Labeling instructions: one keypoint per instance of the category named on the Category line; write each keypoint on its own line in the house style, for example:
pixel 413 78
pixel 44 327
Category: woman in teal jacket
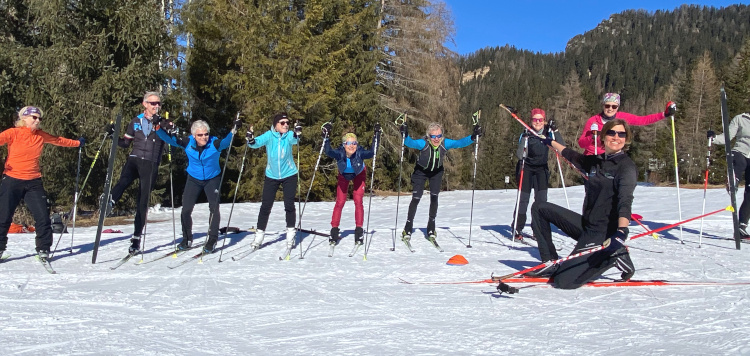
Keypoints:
pixel 281 170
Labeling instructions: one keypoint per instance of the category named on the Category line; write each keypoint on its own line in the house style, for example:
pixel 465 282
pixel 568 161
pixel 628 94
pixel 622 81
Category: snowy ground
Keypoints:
pixel 341 305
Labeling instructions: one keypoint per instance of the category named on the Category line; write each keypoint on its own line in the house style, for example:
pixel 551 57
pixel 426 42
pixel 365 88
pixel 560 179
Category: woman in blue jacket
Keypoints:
pixel 430 167
pixel 204 174
pixel 349 158
pixel 281 170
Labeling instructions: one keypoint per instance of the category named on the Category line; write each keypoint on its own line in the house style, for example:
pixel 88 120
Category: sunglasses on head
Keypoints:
pixel 283 123
pixel 436 136
pixel 608 106
pixel 201 134
pixel 154 103
pixel 350 143
pixel 620 134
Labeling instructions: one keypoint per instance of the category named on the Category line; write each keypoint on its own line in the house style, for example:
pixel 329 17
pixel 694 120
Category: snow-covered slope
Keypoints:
pixel 341 305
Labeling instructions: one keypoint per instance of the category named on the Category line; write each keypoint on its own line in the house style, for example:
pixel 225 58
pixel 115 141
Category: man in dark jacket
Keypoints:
pixel 142 163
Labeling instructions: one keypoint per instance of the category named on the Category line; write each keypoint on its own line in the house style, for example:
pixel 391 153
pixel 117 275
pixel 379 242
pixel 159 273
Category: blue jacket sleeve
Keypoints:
pixel 330 152
pixel 415 144
pixel 164 136
pixel 225 142
pixel 449 144
pixel 261 140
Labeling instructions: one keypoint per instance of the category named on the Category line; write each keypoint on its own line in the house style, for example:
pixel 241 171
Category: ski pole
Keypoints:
pixel 605 245
pixel 475 119
pixel 369 204
pixel 637 218
pixel 402 121
pixel 559 167
pixel 705 186
pixel 171 190
pixel 514 115
pixel 234 199
pixel 514 228
pixel 595 131
pixel 312 180
pixel 218 196
pixel 76 197
pixel 677 176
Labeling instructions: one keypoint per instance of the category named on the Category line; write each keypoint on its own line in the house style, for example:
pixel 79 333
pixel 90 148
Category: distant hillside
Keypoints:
pixel 646 57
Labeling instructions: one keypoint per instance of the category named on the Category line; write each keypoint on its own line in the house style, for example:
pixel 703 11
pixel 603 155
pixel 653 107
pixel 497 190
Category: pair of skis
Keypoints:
pixel 431 239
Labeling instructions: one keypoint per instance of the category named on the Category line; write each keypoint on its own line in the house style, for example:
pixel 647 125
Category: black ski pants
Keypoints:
pixel 193 189
pixel 270 186
pixel 536 178
pixel 418 179
pixel 742 165
pixel 145 171
pixel 32 192
pixel 575 272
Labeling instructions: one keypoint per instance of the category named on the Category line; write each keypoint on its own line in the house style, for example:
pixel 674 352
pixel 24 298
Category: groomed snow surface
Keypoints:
pixel 340 305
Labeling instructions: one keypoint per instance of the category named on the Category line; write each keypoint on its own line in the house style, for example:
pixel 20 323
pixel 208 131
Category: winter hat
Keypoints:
pixel 278 117
pixel 31 111
pixel 538 111
pixel 611 98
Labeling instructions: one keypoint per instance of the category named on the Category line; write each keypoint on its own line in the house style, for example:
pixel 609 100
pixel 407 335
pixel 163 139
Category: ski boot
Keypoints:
pixel 42 255
pixel 544 272
pixel 290 233
pixel 135 245
pixel 210 246
pixel 359 238
pixel 259 235
pixel 186 244
pixel 334 238
pixel 744 231
pixel 405 236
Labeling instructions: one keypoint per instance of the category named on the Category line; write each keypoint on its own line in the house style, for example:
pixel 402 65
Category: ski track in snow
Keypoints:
pixel 341 305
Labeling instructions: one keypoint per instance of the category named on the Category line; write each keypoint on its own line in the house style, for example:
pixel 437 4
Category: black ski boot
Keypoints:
pixel 359 238
pixel 186 244
pixel 210 246
pixel 334 238
pixel 135 245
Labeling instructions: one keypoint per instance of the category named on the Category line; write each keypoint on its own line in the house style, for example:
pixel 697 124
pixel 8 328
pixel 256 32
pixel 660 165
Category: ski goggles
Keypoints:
pixel 620 134
pixel 436 136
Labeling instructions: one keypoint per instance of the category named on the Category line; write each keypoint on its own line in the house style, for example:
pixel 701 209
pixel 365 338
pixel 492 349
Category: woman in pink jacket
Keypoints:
pixel 610 105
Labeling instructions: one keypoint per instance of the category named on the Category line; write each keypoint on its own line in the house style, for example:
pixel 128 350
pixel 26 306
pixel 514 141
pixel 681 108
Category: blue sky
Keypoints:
pixel 540 26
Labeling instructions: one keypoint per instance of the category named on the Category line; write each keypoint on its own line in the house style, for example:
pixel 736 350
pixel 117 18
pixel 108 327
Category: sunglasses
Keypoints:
pixel 350 143
pixel 436 136
pixel 201 135
pixel 282 123
pixel 537 120
pixel 620 134
pixel 154 103
pixel 607 106
pixel 35 117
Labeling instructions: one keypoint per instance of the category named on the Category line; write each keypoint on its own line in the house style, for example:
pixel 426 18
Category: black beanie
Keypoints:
pixel 278 117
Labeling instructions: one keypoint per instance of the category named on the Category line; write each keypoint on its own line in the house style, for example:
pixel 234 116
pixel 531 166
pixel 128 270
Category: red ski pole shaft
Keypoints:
pixel 605 245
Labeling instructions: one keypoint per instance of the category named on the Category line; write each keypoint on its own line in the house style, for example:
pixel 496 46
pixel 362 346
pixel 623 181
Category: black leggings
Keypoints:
pixel 145 171
pixel 193 188
pixel 270 186
pixel 742 165
pixel 32 192
pixel 418 179
pixel 533 177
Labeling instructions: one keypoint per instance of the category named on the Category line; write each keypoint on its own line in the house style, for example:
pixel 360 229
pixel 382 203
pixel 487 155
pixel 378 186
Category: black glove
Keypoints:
pixel 477 132
pixel 82 141
pixel 404 130
pixel 250 137
pixel 109 129
pixel 547 141
pixel 325 130
pixel 297 129
pixel 670 109
pixel 377 128
pixel 167 125
pixel 552 125
pixel 237 124
pixel 710 134
pixel 155 120
pixel 617 239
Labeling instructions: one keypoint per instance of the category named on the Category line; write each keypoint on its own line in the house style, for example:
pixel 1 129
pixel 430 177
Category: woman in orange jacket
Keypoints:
pixel 22 178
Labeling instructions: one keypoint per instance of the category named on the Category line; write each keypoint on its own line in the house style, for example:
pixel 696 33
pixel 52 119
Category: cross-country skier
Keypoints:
pixel 142 163
pixel 204 174
pixel 535 169
pixel 429 167
pixel 281 170
pixel 606 212
pixel 22 178
pixel 739 128
pixel 349 158
pixel 610 107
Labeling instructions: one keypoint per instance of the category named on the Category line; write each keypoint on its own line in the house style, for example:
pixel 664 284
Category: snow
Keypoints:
pixel 340 305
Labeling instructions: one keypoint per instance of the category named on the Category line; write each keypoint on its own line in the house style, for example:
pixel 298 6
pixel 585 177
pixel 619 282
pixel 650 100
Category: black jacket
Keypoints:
pixel 148 147
pixel 609 189
pixel 537 153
